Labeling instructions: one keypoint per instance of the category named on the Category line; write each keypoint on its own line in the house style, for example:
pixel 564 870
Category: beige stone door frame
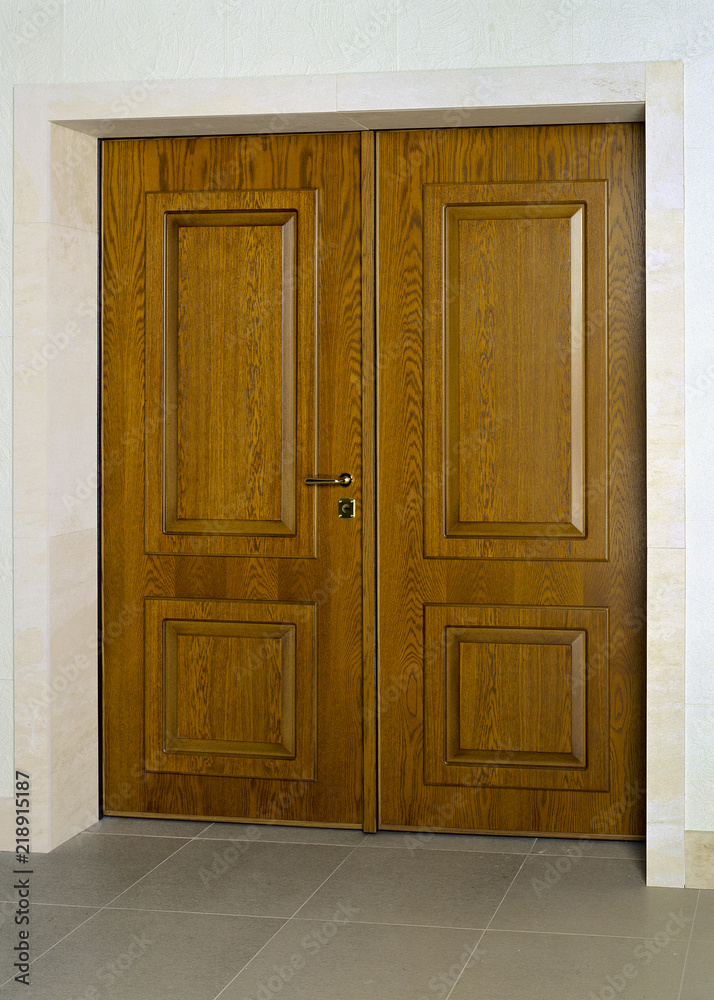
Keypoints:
pixel 55 330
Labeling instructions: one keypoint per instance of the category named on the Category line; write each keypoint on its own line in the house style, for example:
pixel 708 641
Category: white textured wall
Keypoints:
pixel 50 41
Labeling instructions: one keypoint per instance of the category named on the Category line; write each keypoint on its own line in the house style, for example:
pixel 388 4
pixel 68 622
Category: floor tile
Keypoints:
pixel 257 879
pixel 316 960
pixel 450 842
pixel 131 826
pixel 48 924
pixel 136 955
pixel 90 870
pixel 633 850
pixel 704 920
pixel 699 975
pixel 283 834
pixel 592 896
pixel 435 888
pixel 391 915
pixel 515 966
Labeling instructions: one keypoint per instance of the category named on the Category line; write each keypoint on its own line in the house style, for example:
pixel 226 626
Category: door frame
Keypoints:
pixel 55 402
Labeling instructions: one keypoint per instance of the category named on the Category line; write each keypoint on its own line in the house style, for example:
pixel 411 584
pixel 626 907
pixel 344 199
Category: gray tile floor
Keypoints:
pixel 168 910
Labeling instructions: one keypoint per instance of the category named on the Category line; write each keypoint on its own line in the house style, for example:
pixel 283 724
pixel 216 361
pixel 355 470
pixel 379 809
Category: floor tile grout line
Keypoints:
pixel 262 947
pixel 63 938
pixel 202 913
pixel 493 915
pixel 589 857
pixel 377 923
pixel 510 854
pixel 476 850
pixel 262 840
pixel 460 927
pixel 150 836
pixel 240 971
pixel 317 920
pixel 453 850
pixel 510 886
pixel 689 942
pixel 77 905
pixel 327 879
pixel 105 906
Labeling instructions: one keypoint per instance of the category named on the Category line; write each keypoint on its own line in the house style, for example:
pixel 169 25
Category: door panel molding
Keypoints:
pixel 516 697
pixel 219 675
pixel 501 480
pixel 246 371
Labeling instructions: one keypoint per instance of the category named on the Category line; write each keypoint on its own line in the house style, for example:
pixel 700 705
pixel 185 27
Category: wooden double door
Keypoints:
pixel 451 324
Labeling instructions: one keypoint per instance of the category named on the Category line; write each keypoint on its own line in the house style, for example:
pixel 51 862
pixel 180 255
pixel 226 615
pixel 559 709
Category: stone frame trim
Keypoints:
pixel 55 378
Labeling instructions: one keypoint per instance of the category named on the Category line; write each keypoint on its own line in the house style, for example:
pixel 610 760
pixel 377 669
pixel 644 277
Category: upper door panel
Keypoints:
pixel 515 284
pixel 232 282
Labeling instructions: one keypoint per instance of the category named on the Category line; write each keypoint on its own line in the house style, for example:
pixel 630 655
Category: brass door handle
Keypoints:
pixel 344 480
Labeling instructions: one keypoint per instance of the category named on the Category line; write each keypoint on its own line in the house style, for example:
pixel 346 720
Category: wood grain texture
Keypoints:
pixel 211 706
pixel 234 433
pixel 517 401
pixel 369 507
pixel 516 697
pixel 324 566
pixel 230 688
pixel 515 694
pixel 216 569
pixel 501 270
pixel 432 577
pixel 235 373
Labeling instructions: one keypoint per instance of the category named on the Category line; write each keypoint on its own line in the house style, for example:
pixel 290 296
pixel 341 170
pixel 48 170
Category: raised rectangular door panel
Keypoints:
pixel 231 279
pixel 230 688
pixel 516 697
pixel 515 277
pixel 234 665
pixel 512 479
